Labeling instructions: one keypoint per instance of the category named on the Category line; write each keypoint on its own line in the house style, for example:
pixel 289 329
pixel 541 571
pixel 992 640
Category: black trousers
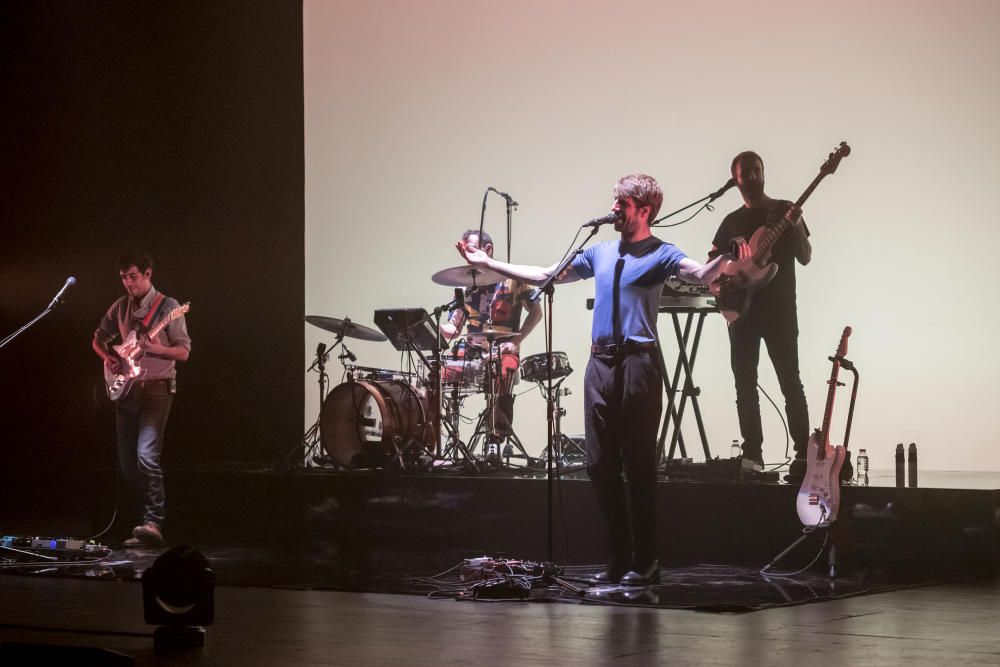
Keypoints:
pixel 781 336
pixel 623 397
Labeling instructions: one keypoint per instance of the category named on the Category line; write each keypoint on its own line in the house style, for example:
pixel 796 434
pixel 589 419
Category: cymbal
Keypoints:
pixel 345 327
pixel 491 334
pixel 466 276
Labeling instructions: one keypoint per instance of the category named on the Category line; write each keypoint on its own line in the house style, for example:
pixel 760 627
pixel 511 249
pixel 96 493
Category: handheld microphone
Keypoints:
pixel 59 297
pixel 721 191
pixel 608 219
pixel 321 350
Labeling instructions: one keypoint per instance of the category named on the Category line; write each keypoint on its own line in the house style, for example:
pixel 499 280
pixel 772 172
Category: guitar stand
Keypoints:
pixel 830 539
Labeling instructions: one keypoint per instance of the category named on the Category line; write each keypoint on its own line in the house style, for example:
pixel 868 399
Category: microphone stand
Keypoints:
pixel 548 288
pixel 27 326
pixel 482 215
pixel 710 198
pixel 312 439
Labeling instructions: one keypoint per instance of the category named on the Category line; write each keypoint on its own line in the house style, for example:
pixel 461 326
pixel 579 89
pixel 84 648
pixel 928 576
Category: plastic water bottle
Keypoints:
pixel 734 451
pixel 862 475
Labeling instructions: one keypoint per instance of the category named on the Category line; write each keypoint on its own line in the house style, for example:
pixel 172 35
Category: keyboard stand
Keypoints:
pixel 686 357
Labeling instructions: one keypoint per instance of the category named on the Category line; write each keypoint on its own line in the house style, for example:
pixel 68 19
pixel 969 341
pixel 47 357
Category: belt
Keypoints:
pixel 153 383
pixel 628 347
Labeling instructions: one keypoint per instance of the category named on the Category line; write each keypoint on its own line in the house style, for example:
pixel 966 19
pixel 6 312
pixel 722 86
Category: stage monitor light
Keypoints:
pixel 178 595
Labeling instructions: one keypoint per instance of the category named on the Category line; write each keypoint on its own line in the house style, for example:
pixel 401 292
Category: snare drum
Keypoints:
pixel 533 367
pixel 364 422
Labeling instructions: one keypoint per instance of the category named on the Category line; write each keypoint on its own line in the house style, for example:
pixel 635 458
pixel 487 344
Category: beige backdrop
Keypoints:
pixel 413 108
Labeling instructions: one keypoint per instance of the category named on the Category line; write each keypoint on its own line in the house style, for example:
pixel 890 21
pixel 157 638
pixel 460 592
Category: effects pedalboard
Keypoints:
pixel 62 548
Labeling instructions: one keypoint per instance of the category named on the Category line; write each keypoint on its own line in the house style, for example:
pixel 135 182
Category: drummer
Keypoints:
pixel 498 306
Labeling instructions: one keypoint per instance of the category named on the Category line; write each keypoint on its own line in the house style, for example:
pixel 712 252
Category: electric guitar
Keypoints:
pixel 819 496
pixel 739 279
pixel 129 351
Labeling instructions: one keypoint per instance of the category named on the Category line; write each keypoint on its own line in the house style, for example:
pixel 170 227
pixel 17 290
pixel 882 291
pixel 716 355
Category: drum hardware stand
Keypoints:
pixel 412 336
pixel 486 426
pixel 311 439
pixel 563 444
pixel 451 417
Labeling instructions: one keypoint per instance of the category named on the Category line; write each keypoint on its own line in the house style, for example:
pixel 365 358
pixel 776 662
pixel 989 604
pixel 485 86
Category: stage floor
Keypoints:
pixel 945 624
pixel 411 533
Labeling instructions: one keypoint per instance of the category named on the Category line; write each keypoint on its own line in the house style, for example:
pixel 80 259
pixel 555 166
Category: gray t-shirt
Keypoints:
pixel 124 316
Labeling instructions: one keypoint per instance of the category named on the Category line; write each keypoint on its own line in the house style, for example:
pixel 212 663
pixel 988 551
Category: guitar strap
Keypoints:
pixel 154 310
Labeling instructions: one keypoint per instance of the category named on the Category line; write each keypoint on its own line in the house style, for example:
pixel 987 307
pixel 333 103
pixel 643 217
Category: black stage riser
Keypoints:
pixel 366 519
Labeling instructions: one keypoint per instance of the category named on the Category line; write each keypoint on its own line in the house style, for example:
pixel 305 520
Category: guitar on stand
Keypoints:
pixel 818 502
pixel 740 279
pixel 129 351
pixel 819 496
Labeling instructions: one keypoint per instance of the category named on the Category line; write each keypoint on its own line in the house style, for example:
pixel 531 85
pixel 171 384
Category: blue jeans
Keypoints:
pixel 141 418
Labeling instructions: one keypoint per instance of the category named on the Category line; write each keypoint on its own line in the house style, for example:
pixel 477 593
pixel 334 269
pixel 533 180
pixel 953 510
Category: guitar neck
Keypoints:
pixel 171 316
pixel 158 328
pixel 774 232
pixel 831 394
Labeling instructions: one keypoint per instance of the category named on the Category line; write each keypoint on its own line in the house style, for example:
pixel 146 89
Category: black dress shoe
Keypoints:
pixel 645 577
pixel 612 574
pixel 607 578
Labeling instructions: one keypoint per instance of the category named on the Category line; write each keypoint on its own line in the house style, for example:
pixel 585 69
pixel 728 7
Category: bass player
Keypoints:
pixel 772 314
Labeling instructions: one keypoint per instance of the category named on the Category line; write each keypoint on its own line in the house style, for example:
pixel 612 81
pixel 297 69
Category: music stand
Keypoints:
pixel 408 329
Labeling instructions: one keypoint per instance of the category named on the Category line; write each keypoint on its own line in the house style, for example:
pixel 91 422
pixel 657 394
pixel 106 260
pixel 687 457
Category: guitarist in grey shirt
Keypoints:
pixel 141 413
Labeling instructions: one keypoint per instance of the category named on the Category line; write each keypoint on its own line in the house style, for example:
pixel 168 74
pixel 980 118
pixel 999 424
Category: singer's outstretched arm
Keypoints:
pixel 693 272
pixel 523 272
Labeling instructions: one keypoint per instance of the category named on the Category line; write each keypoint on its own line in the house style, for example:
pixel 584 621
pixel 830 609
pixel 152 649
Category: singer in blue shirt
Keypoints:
pixel 623 387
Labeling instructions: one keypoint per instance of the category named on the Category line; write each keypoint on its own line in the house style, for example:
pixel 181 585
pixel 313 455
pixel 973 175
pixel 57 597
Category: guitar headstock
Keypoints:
pixel 179 310
pixel 836 156
pixel 842 348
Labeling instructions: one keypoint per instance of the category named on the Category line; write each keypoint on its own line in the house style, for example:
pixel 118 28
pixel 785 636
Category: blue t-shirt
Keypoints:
pixel 638 284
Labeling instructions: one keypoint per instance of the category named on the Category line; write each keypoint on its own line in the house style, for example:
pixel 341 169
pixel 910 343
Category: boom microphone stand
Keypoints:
pixel 59 298
pixel 548 288
pixel 710 198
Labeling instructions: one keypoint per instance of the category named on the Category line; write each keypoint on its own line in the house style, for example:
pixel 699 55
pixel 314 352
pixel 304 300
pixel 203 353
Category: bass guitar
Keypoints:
pixel 129 351
pixel 738 280
pixel 819 496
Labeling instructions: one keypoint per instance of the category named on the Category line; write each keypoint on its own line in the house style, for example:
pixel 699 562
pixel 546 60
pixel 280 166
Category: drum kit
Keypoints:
pixel 381 417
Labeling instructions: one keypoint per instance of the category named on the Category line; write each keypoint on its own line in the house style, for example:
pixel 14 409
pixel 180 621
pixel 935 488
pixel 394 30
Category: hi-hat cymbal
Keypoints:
pixel 466 276
pixel 345 327
pixel 491 334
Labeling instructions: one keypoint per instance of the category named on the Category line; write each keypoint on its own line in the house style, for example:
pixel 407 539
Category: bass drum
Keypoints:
pixel 363 423
pixel 533 367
